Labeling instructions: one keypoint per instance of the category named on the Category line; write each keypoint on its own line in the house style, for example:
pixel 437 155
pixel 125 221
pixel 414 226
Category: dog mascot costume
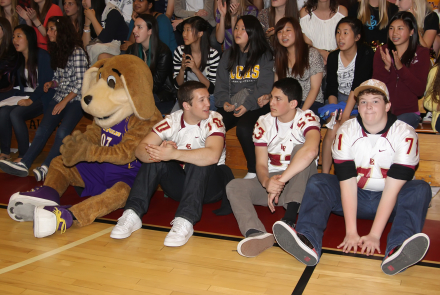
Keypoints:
pixel 118 93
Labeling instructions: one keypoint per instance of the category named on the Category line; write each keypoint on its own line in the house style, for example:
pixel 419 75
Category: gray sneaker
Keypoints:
pixel 255 244
pixel 13 168
pixel 410 252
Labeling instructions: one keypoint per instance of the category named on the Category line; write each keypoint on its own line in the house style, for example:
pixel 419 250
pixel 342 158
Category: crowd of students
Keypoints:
pixel 286 68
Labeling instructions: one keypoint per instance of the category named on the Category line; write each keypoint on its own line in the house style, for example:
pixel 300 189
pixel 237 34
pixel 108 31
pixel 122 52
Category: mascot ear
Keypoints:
pixel 140 91
pixel 90 76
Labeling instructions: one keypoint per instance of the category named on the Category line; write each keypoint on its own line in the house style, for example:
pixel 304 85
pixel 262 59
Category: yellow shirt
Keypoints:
pixel 428 103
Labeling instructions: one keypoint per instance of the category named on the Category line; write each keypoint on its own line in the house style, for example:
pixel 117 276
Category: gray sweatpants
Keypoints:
pixel 243 194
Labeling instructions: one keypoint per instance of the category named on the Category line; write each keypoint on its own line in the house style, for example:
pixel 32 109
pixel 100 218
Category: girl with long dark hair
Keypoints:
pixel 33 71
pixel 246 71
pixel 226 16
pixel 69 61
pixel 294 58
pixel 270 16
pixel 8 58
pixel 403 65
pixel 347 68
pixel 196 59
pixel 318 19
pixel 74 10
pixel 37 16
pixel 156 55
pixel 166 33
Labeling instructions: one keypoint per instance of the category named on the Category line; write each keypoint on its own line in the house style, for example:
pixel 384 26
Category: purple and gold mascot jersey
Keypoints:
pixel 98 177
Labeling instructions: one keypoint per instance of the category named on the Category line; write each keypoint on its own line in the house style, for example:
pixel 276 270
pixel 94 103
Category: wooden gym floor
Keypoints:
pixel 87 261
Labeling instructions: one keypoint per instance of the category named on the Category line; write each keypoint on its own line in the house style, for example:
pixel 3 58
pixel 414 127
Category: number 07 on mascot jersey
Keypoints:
pixel 118 93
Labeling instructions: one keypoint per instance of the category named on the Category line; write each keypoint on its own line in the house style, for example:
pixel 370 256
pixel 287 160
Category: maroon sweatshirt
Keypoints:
pixel 407 84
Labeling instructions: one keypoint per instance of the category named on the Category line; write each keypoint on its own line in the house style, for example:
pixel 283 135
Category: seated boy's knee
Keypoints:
pixel 423 189
pixel 232 187
pixel 319 179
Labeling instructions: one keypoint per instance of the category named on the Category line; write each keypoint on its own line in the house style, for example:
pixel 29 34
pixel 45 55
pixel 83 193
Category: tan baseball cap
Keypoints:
pixel 374 84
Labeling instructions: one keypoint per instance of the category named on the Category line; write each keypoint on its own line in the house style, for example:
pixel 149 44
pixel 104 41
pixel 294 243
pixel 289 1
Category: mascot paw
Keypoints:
pixel 75 149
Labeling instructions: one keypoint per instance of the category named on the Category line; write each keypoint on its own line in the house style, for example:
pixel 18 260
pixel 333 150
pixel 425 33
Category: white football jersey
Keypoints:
pixel 374 154
pixel 280 146
pixel 191 137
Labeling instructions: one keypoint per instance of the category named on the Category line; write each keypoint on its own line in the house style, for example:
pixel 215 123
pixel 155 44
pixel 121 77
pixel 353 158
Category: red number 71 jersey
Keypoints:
pixel 373 154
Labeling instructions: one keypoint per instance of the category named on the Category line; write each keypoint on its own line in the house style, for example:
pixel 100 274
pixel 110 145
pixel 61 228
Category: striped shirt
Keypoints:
pixel 210 71
pixel 70 78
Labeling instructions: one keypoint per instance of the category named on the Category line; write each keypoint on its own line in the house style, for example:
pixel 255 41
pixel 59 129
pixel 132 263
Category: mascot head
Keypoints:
pixel 116 88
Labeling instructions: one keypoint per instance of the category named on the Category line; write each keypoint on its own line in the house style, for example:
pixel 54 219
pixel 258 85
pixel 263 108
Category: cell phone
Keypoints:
pixel 188 57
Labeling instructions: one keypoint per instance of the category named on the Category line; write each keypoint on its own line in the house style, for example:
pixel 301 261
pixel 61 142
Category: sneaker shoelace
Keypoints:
pixel 178 226
pixel 35 189
pixel 124 220
pixel 60 220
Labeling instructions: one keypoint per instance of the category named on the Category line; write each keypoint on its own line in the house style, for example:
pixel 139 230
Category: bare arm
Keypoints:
pixel 259 4
pixel 349 206
pixel 220 27
pixel 261 155
pixel 349 107
pixel 332 99
pixel 206 156
pixel 371 242
pixel 170 9
pixel 315 85
pixel 141 150
pixel 304 156
pixel 428 38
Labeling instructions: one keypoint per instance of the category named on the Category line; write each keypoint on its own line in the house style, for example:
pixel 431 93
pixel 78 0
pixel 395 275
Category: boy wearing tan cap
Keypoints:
pixel 375 157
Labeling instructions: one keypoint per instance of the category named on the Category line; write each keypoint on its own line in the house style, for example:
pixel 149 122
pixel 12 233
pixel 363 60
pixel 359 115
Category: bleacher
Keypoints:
pixel 428 169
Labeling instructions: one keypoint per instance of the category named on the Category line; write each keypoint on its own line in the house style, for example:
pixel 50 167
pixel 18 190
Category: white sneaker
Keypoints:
pixel 428 117
pixel 128 223
pixel 40 173
pixel 180 233
pixel 250 175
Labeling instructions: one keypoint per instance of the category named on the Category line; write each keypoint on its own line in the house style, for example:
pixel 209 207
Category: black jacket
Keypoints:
pixel 162 74
pixel 362 72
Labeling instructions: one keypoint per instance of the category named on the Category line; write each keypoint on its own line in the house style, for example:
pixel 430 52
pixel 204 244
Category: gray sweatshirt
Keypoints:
pixel 259 80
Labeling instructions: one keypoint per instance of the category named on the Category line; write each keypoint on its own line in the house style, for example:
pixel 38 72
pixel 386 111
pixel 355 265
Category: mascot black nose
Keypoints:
pixel 87 99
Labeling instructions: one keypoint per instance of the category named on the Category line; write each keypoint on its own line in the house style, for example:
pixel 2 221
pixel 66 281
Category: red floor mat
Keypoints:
pixel 162 210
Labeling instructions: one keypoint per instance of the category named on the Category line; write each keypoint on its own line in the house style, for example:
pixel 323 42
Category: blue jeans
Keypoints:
pixel 411 119
pixel 15 117
pixel 70 116
pixel 323 196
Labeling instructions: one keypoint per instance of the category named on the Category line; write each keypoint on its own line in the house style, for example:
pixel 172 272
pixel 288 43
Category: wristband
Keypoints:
pixel 39 26
pixel 86 31
pixel 54 84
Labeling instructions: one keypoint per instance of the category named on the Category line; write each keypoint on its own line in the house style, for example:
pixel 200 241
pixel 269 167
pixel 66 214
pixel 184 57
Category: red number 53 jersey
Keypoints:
pixel 373 154
pixel 280 141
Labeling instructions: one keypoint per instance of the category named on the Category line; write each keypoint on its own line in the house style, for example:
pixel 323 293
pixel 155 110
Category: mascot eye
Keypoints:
pixel 111 81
